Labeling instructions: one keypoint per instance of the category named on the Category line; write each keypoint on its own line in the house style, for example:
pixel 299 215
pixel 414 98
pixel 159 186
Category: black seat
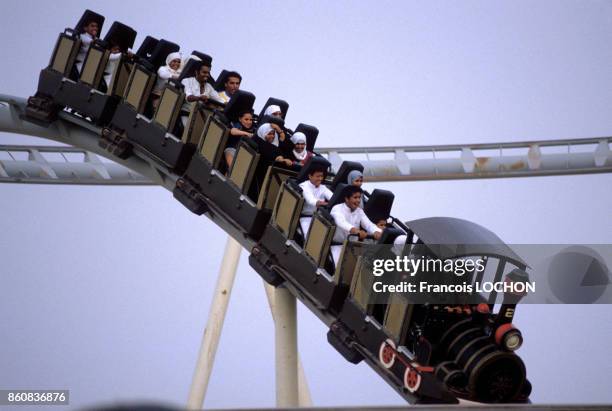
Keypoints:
pixel 379 204
pixel 221 78
pixel 313 162
pixel 275 102
pixel 338 196
pixel 88 16
pixel 161 51
pixel 146 48
pixel 389 235
pixel 120 35
pixel 311 133
pixel 345 168
pixel 240 102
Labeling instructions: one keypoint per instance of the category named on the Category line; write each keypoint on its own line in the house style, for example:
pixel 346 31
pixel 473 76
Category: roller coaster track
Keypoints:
pixel 81 165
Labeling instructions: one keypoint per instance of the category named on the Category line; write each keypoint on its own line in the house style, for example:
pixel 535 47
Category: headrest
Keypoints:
pixel 120 35
pixel 146 48
pixel 284 106
pixel 311 133
pixel 337 197
pixel 220 83
pixel 241 101
pixel 378 206
pixel 87 17
pixel 313 163
pixel 271 119
pixel 189 68
pixel 161 51
pixel 345 168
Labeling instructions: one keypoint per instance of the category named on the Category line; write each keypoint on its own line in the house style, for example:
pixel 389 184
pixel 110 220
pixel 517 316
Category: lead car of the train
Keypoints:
pixel 429 352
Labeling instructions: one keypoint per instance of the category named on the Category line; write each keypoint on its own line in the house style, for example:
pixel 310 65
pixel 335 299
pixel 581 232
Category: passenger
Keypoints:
pixel 355 178
pixel 111 66
pixel 172 70
pixel 315 195
pixel 299 154
pixel 232 85
pixel 89 32
pixel 243 128
pixel 350 219
pixel 267 140
pixel 382 224
pixel 197 88
pixel 273 111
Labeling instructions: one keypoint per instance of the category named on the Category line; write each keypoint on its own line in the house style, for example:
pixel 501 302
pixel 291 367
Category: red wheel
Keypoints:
pixel 412 379
pixel 386 354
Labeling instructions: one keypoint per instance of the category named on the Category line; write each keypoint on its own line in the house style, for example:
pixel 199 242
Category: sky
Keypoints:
pixel 105 290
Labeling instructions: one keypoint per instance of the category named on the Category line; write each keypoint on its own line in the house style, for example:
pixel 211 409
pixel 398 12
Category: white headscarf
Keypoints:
pixel 174 56
pixel 299 137
pixel 271 110
pixel 264 129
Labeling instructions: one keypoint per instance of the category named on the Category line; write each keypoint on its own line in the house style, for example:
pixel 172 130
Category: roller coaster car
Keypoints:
pixel 436 352
pixel 89 96
pixel 204 184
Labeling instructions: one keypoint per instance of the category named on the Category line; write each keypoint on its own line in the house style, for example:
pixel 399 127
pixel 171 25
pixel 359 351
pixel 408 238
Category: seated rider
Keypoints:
pixel 350 219
pixel 315 195
pixel 243 128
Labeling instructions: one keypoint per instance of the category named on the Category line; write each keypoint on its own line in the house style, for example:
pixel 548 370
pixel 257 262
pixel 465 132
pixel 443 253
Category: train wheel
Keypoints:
pixel 412 379
pixel 386 354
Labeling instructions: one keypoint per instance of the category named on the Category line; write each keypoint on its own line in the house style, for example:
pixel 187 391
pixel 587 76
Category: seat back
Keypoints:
pixel 379 204
pixel 320 235
pixel 120 35
pixel 88 16
pixel 94 64
pixel 213 140
pixel 170 104
pixel 337 197
pixel 272 183
pixel 240 102
pixel 160 52
pixel 313 163
pixel 196 124
pixel 275 102
pixel 244 165
pixel 139 87
pixel 287 210
pixel 65 52
pixel 345 168
pixel 120 78
pixel 311 133
pixel 397 317
pixel 146 48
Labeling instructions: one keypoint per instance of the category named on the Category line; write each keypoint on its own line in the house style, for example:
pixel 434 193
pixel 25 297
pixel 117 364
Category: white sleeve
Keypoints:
pixel 309 196
pixel 212 94
pixel 327 193
pixel 188 89
pixel 340 219
pixel 114 56
pixel 164 73
pixel 365 222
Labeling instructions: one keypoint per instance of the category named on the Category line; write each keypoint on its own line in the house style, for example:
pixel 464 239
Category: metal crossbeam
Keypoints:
pixel 402 163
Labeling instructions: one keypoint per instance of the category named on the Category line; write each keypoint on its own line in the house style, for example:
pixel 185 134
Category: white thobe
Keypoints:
pixel 312 194
pixel 345 220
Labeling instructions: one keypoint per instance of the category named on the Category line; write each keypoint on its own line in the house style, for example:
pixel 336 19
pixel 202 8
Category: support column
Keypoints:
pixel 305 399
pixel 216 317
pixel 286 349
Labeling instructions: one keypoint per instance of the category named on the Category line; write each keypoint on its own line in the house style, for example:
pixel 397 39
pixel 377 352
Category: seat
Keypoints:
pixel 221 78
pixel 345 168
pixel 244 165
pixel 240 102
pixel 338 196
pixel 379 204
pixel 275 102
pixel 146 48
pixel 120 35
pixel 311 133
pixel 161 51
pixel 312 163
pixel 87 16
pixel 319 237
pixel 189 68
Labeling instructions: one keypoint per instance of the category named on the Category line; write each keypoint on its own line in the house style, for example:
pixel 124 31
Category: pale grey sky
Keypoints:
pixel 105 291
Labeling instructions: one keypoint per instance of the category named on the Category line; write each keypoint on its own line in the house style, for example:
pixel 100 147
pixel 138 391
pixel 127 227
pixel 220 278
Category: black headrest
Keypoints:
pixel 240 102
pixel 311 133
pixel 202 56
pixel 389 235
pixel 120 35
pixel 313 163
pixel 188 69
pixel 161 51
pixel 345 168
pixel 220 83
pixel 146 48
pixel 87 17
pixel 275 102
pixel 271 119
pixel 379 205
pixel 338 196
